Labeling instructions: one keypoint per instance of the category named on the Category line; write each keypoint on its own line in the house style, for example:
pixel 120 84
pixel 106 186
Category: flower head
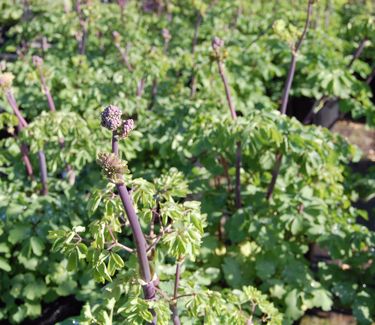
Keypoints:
pixel 116 37
pixel 166 34
pixel 113 167
pixel 217 43
pixel 111 118
pixel 38 61
pixel 6 80
pixel 124 130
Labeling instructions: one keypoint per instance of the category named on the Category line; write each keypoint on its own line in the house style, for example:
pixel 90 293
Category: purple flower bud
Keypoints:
pixel 217 43
pixel 166 34
pixel 111 118
pixel 116 37
pixel 125 129
pixel 37 60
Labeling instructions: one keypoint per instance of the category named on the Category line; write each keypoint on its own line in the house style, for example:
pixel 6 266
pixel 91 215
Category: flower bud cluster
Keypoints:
pixel 111 119
pixel 6 80
pixel 166 34
pixel 113 167
pixel 124 130
pixel 220 52
pixel 38 61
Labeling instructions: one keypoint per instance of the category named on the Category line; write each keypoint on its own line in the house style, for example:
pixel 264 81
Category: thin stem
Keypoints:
pixel 140 87
pixel 227 90
pixel 238 145
pixel 51 103
pixel 238 175
pixel 43 172
pixel 173 306
pixel 21 124
pixel 125 57
pixel 292 66
pixel 275 174
pixel 26 160
pixel 370 77
pixel 16 111
pixel 358 51
pixel 285 95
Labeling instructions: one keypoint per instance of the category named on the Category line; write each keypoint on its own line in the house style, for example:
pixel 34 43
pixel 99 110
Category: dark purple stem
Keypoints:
pixel 125 57
pixel 198 22
pixel 370 77
pixel 234 117
pixel 275 174
pixel 285 96
pixel 51 103
pixel 227 90
pixel 358 51
pixel 140 87
pixel 292 67
pixel 43 172
pixel 139 239
pixel 175 317
pixel 24 152
pixel 26 160
pixel 16 111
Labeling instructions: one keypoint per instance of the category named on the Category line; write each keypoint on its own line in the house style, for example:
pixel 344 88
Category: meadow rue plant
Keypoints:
pixel 158 216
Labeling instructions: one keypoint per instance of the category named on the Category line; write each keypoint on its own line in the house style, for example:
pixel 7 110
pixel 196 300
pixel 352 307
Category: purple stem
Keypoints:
pixel 292 67
pixel 51 103
pixel 370 77
pixel 16 111
pixel 198 22
pixel 139 239
pixel 358 51
pixel 234 117
pixel 275 173
pixel 43 172
pixel 140 87
pixel 125 57
pixel 26 160
pixel 285 96
pixel 42 159
pixel 175 317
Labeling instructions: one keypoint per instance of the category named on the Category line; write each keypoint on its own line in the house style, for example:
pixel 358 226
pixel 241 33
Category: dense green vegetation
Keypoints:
pixel 178 114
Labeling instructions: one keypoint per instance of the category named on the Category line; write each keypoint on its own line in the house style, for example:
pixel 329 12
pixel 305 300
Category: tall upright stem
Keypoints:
pixel 139 239
pixel 238 144
pixel 285 96
pixel 24 152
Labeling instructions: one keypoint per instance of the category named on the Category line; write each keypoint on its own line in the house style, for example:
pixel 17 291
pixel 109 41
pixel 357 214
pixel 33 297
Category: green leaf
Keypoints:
pixel 4 265
pixel 37 245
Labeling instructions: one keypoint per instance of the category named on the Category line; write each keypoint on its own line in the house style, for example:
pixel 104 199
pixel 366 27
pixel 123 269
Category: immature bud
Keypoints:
pixel 217 43
pixel 111 118
pixel 116 37
pixel 125 129
pixel 38 61
pixel 6 80
pixel 166 34
pixel 113 167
